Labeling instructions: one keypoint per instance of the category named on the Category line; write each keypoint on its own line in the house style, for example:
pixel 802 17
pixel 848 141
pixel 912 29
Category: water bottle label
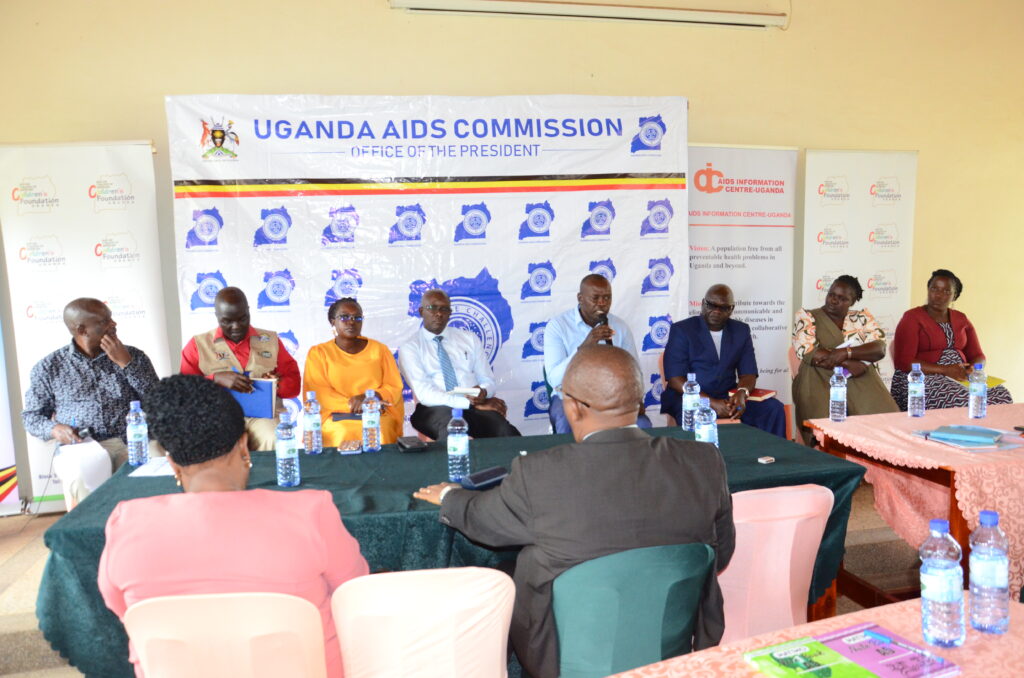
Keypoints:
pixel 137 435
pixel 286 449
pixel 691 401
pixel 837 393
pixel 990 572
pixel 979 388
pixel 705 434
pixel 916 390
pixel 945 586
pixel 458 445
pixel 371 419
pixel 311 422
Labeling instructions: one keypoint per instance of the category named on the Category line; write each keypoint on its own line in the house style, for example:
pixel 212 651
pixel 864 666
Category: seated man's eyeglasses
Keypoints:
pixel 724 308
pixel 438 309
pixel 566 394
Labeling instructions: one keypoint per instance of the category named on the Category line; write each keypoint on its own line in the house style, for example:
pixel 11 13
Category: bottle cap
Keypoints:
pixel 705 402
pixel 838 369
pixel 456 413
pixel 915 367
pixel 989 518
pixel 285 417
pixel 135 405
pixel 938 525
pixel 370 393
pixel 310 395
pixel 979 366
pixel 690 376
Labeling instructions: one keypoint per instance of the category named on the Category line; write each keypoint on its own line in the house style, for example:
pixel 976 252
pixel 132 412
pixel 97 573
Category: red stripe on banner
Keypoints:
pixel 510 189
pixel 748 225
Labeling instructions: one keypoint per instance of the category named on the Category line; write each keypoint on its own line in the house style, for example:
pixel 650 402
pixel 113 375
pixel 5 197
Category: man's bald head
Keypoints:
pixel 79 310
pixel 230 295
pixel 606 378
pixel 717 306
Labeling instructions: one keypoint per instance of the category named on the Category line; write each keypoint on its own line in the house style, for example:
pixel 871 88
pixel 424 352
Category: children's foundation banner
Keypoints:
pixel 859 220
pixel 79 220
pixel 503 202
pixel 741 234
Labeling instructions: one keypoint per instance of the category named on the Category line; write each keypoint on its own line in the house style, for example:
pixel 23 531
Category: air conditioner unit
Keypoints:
pixel 622 11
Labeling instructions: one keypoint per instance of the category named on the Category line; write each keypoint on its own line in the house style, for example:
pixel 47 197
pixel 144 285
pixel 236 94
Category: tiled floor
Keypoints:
pixel 871 546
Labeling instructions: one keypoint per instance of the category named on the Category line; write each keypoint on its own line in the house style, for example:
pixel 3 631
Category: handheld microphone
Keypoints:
pixel 602 319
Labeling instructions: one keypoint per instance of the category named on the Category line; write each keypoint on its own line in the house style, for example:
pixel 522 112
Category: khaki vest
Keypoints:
pixel 216 356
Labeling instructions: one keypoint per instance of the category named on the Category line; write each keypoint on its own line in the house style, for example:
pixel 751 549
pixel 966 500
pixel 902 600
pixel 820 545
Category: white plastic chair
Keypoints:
pixel 778 532
pixel 446 623
pixel 81 468
pixel 242 635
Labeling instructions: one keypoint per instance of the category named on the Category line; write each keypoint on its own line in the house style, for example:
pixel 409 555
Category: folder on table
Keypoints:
pixel 261 402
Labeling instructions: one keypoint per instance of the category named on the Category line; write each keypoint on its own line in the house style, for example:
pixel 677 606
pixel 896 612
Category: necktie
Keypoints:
pixel 447 370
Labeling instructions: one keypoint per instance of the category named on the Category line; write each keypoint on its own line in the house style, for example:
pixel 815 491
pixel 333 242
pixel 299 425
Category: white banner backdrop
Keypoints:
pixel 505 202
pixel 9 501
pixel 79 220
pixel 741 234
pixel 859 220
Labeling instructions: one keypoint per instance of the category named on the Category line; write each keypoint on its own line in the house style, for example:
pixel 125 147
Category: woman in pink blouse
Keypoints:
pixel 216 536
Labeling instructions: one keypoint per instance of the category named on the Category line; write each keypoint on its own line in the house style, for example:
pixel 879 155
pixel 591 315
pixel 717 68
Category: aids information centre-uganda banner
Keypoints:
pixel 741 234
pixel 79 220
pixel 503 202
pixel 859 220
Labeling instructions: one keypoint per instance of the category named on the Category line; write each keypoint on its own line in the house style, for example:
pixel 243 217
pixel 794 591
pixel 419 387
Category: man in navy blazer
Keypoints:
pixel 720 352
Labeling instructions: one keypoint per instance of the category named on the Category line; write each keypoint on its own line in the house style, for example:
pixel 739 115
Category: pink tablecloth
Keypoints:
pixel 984 480
pixel 982 655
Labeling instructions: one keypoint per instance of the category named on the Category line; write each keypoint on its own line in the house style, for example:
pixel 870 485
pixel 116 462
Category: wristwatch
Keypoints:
pixel 849 353
pixel 745 390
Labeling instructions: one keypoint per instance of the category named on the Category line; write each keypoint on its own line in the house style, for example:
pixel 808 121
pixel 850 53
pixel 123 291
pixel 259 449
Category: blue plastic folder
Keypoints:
pixel 259 403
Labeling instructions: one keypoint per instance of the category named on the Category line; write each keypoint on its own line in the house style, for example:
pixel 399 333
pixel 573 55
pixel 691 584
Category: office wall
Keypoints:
pixel 941 77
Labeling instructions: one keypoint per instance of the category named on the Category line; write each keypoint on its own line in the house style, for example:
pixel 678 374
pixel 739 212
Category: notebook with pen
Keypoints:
pixel 261 402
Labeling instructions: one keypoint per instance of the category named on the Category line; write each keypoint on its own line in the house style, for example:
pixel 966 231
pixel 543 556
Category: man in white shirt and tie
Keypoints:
pixel 441 358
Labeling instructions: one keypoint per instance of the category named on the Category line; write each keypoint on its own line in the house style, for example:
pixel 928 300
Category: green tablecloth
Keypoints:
pixel 373 492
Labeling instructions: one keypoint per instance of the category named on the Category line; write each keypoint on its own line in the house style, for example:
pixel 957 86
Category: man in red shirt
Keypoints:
pixel 235 353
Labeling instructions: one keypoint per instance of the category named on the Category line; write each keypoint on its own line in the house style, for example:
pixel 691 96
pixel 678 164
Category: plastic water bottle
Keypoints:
pixel 287 453
pixel 137 434
pixel 990 576
pixel 942 588
pixel 691 401
pixel 837 396
pixel 706 423
pixel 977 402
pixel 371 422
pixel 458 447
pixel 915 391
pixel 312 436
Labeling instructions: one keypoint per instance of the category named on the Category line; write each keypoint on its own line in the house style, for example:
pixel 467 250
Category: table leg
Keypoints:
pixel 958 530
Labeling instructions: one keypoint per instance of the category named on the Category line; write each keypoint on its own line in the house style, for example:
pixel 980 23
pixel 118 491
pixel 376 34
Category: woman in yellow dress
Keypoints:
pixel 342 370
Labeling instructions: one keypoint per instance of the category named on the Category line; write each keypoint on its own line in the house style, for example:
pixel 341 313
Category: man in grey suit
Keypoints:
pixel 615 488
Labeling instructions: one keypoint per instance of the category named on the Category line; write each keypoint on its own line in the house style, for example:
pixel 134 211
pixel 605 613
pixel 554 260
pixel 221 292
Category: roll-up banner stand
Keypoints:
pixel 78 220
pixel 859 220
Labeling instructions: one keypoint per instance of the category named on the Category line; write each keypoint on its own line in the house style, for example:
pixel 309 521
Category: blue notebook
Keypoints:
pixel 261 402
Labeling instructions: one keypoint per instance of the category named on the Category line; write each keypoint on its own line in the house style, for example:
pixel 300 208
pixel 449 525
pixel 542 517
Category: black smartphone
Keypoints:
pixel 482 480
pixel 411 444
pixel 1019 428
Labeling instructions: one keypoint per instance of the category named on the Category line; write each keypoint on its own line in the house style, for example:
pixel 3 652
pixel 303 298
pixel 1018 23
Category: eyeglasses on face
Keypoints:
pixel 724 308
pixel 433 308
pixel 345 317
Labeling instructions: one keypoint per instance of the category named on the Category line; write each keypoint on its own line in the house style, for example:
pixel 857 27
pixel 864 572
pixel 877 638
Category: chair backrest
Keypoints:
pixel 629 609
pixel 447 623
pixel 242 635
pixel 778 532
